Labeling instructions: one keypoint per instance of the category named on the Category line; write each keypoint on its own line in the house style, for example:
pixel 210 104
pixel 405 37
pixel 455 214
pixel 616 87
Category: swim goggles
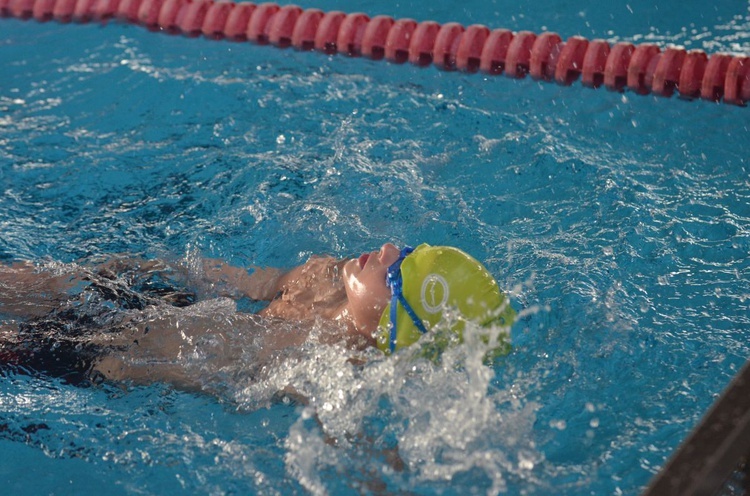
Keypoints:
pixel 395 282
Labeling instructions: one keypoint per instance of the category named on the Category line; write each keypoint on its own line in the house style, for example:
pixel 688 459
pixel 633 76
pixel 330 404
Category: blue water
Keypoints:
pixel 620 223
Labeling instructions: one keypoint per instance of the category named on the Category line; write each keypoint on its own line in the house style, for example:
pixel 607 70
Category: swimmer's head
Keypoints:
pixel 430 280
pixel 433 279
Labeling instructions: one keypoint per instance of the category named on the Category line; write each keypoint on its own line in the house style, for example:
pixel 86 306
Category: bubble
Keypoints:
pixel 560 424
pixel 525 462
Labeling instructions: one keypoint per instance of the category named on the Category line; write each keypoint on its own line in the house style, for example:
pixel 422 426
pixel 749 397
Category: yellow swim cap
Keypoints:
pixel 430 279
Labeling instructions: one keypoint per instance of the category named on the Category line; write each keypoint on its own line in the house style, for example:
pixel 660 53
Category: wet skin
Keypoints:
pixel 366 289
pixel 351 293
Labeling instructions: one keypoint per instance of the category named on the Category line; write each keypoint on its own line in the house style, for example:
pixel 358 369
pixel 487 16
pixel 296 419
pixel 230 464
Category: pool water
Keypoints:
pixel 619 223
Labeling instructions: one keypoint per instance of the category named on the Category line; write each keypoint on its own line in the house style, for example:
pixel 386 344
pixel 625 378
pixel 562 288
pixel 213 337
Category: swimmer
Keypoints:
pixel 129 320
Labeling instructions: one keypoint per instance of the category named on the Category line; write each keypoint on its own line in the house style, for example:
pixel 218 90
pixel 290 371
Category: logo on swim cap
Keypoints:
pixel 435 293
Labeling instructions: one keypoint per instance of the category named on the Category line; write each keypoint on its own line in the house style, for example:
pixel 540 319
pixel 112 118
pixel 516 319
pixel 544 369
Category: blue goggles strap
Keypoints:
pixel 395 282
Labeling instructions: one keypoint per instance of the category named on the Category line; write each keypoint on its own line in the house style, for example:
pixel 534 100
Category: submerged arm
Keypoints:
pixel 260 284
pixel 199 347
pixel 28 291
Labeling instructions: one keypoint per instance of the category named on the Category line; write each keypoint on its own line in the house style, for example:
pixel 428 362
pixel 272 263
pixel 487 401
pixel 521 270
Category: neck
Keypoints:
pixel 344 317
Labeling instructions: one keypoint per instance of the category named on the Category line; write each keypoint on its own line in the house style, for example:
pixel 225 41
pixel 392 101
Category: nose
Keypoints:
pixel 388 254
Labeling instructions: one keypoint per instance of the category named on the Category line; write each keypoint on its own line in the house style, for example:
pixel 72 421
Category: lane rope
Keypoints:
pixel 643 68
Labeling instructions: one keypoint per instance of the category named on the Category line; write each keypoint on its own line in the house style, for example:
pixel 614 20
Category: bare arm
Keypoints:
pixel 222 279
pixel 29 291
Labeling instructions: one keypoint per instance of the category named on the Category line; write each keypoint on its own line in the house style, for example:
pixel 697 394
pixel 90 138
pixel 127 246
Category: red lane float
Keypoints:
pixel 167 19
pixel 544 55
pixel 422 43
pixel 328 31
pixel 216 20
pixel 303 36
pixel 667 73
pixel 594 63
pixel 518 58
pixel 376 37
pixel 570 62
pixel 190 17
pixel 238 18
pixel 642 69
pixel 399 39
pixel 281 26
pixel 351 33
pixel 469 53
pixel 712 87
pixel 737 85
pixel 446 46
pixel 257 27
pixel 495 51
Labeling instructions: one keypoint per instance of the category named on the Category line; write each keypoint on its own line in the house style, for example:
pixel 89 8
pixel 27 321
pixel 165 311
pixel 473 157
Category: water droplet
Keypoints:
pixel 525 463
pixel 643 305
pixel 560 425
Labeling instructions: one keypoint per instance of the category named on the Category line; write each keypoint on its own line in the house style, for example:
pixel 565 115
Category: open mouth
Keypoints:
pixel 363 260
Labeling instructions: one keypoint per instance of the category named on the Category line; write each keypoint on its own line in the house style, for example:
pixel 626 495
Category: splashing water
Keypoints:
pixel 403 419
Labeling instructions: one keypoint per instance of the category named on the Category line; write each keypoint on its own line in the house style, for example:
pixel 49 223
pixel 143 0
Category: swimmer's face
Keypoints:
pixel 366 289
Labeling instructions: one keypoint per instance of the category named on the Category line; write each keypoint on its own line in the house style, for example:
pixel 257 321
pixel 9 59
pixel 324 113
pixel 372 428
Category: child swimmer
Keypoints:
pixel 120 322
